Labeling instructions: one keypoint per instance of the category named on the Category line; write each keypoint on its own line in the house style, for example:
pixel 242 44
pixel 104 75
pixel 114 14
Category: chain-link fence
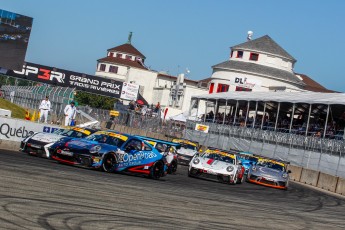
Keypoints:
pixel 30 97
pixel 325 155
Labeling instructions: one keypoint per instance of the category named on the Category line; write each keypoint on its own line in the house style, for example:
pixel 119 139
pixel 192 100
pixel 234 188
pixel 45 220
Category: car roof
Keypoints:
pixel 185 141
pixel 158 140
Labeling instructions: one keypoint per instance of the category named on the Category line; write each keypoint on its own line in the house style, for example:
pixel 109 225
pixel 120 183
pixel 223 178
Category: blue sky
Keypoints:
pixel 179 34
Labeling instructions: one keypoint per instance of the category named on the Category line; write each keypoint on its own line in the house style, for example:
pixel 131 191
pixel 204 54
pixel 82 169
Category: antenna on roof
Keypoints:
pixel 250 34
pixel 129 38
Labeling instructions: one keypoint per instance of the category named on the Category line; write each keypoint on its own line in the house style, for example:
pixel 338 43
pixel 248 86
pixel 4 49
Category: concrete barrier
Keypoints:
pixel 296 172
pixel 340 189
pixel 327 182
pixel 309 176
pixel 9 145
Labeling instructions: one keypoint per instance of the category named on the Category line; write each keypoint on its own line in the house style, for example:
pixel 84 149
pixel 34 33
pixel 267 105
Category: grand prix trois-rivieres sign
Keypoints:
pixel 65 78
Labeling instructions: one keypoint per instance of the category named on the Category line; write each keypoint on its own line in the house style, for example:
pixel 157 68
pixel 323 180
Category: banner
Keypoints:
pixel 202 128
pixel 17 129
pixel 129 91
pixel 65 78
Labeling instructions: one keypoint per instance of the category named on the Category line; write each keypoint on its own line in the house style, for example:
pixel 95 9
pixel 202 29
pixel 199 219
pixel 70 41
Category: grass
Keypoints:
pixel 17 111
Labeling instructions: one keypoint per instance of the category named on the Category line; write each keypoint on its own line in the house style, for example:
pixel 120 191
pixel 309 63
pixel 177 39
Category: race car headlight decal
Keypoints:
pixel 285 175
pixel 196 161
pixel 230 169
pixel 95 149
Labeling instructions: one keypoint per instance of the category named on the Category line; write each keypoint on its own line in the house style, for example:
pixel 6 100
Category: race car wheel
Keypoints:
pixel 157 170
pixel 173 167
pixel 193 172
pixel 109 162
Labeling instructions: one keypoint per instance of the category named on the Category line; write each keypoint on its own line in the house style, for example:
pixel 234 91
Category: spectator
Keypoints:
pixel 157 108
pixel 44 109
pixel 70 113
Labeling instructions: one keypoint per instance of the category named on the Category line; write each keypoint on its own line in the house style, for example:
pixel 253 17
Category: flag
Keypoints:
pixel 27 115
pixel 33 116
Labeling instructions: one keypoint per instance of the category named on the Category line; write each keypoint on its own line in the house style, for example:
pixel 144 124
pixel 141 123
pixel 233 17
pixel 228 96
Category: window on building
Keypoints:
pixel 222 88
pixel 254 57
pixel 102 67
pixel 119 55
pixel 239 54
pixel 239 88
pixel 113 69
pixel 129 57
pixel 232 52
pixel 211 88
pixel 111 54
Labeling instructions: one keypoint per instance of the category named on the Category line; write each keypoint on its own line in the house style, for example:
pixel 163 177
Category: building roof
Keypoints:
pixel 292 97
pixel 265 44
pixel 129 49
pixel 121 61
pixel 162 75
pixel 254 68
pixel 312 85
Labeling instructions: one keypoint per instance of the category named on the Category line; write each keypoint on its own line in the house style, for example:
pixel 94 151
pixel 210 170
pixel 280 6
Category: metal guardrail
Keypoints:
pixel 317 144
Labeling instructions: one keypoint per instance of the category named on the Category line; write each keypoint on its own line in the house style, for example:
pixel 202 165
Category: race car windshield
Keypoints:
pixel 219 157
pixel 71 133
pixel 188 147
pixel 250 158
pixel 101 138
pixel 271 165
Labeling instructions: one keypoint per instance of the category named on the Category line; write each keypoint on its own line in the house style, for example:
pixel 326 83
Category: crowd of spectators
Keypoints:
pixel 334 129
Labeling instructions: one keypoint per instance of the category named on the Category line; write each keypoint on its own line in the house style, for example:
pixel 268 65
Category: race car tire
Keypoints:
pixel 157 170
pixel 192 173
pixel 172 167
pixel 109 162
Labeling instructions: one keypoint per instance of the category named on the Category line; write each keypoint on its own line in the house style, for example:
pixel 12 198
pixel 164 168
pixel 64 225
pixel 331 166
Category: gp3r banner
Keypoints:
pixel 66 78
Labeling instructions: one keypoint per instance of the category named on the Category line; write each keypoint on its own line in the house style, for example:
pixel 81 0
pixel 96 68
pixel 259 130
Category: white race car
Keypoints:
pixel 187 150
pixel 219 164
pixel 39 143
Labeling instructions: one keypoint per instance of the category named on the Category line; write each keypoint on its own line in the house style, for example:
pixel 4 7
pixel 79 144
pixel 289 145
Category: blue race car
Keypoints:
pixel 247 159
pixel 112 152
pixel 168 149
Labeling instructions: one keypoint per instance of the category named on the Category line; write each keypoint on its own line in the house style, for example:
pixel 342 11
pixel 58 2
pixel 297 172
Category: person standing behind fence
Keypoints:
pixel 70 113
pixel 44 109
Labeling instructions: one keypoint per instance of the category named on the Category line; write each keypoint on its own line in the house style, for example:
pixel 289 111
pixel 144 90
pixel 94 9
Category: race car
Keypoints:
pixel 39 143
pixel 248 159
pixel 216 163
pixel 168 149
pixel 269 172
pixel 187 150
pixel 112 152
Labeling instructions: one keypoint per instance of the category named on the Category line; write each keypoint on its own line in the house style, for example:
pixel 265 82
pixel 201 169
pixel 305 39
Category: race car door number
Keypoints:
pixel 67 153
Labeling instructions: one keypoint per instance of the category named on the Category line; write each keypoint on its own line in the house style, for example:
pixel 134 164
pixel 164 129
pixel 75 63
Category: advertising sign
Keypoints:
pixel 246 82
pixel 66 78
pixel 15 32
pixel 129 91
pixel 202 128
pixel 17 130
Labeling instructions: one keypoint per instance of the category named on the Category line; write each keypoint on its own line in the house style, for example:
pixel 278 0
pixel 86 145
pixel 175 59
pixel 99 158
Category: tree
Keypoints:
pixel 95 101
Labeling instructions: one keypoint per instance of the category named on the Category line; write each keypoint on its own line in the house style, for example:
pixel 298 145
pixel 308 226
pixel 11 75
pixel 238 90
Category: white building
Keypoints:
pixel 125 63
pixel 259 65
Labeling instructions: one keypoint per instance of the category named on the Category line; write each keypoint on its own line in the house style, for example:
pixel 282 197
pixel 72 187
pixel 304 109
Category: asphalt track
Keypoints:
pixel 36 193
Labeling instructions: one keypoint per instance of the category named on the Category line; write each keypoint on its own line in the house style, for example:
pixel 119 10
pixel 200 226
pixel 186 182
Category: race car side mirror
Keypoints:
pixel 289 171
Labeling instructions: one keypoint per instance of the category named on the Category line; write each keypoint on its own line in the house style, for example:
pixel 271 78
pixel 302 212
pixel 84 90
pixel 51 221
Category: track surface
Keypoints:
pixel 37 193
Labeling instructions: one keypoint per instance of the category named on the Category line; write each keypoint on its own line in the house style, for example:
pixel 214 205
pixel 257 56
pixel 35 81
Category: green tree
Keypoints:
pixel 95 101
